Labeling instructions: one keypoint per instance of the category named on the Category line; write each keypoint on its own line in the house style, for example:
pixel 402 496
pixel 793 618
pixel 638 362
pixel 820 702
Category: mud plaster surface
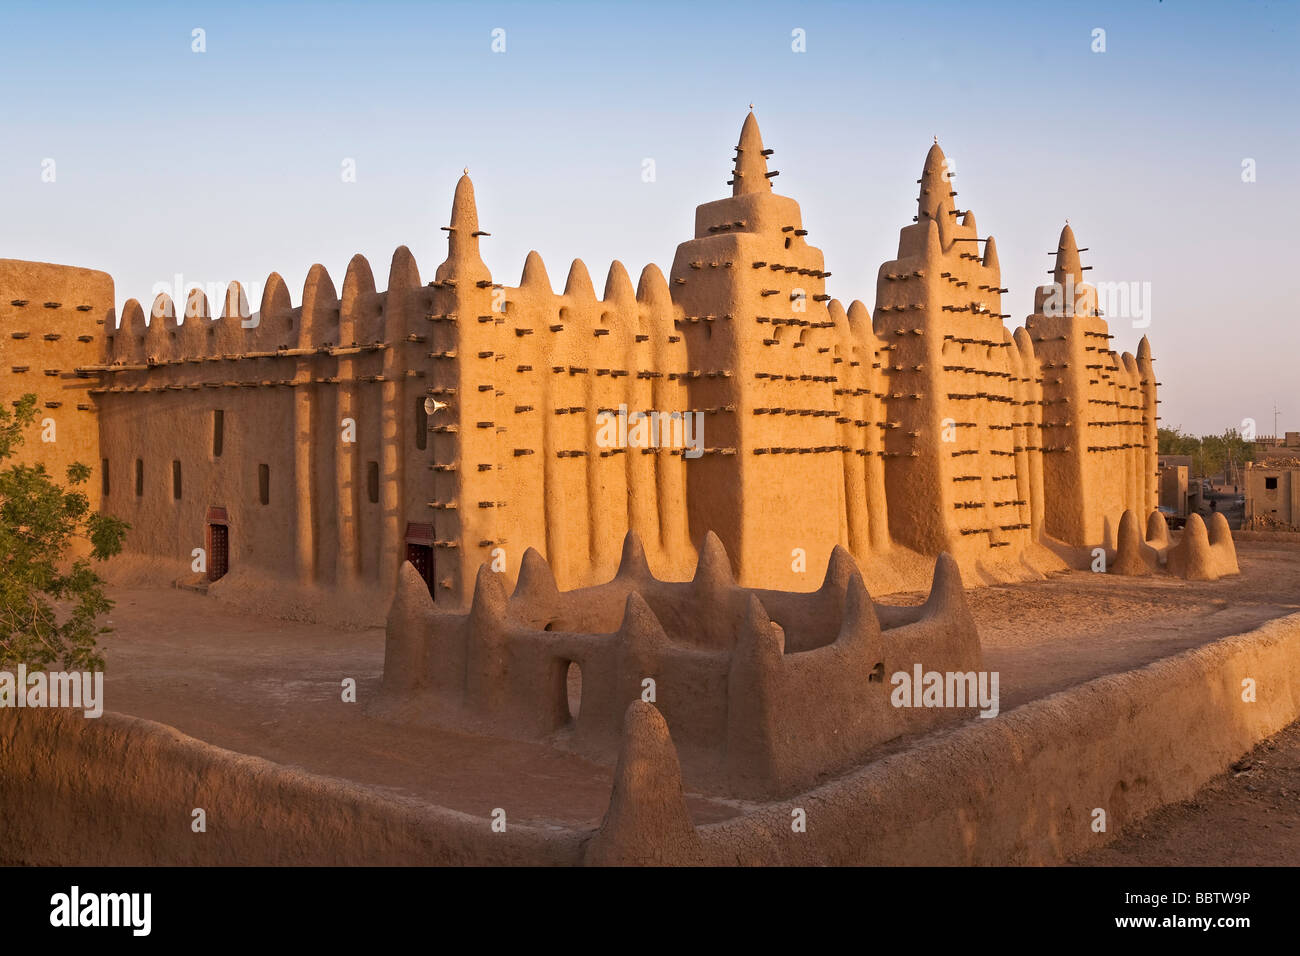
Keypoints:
pixel 272 688
pixel 1249 816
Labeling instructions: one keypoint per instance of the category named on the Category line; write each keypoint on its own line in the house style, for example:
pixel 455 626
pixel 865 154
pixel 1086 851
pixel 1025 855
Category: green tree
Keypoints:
pixel 49 600
pixel 1210 454
pixel 1174 441
pixel 1214 452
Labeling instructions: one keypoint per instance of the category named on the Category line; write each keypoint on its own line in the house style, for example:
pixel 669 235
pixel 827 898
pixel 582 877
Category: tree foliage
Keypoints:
pixel 50 600
pixel 1210 454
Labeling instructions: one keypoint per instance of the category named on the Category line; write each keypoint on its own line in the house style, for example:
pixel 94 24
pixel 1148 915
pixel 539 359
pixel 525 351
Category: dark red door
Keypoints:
pixel 421 555
pixel 219 552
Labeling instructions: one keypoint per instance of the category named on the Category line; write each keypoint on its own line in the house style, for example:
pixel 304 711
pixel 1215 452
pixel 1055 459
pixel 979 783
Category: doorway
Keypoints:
pixel 565 690
pixel 218 551
pixel 421 556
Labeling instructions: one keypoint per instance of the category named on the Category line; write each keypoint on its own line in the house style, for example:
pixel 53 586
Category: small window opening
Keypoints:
pixel 218 432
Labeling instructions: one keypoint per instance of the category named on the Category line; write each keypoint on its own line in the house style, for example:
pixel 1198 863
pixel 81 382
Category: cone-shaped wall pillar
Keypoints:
pixel 647 823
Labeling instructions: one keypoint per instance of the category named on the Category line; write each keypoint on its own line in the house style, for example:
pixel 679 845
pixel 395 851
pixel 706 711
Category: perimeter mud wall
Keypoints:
pixel 120 791
pixel 1021 788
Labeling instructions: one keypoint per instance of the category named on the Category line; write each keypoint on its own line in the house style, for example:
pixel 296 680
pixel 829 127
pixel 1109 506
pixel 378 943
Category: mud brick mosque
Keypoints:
pixel 455 422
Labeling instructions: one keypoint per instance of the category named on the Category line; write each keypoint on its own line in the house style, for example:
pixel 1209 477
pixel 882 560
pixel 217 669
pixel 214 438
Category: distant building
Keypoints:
pixel 1273 493
pixel 1270 446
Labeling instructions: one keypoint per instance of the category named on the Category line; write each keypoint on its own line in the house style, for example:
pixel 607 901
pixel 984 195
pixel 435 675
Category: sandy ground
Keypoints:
pixel 273 688
pixel 1249 816
pixel 1045 636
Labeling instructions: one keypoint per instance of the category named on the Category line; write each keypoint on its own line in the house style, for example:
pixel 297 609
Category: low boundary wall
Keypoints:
pixel 1267 537
pixel 1020 788
pixel 119 790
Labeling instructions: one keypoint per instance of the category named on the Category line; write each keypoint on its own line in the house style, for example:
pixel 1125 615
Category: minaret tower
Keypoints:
pixel 1098 410
pixel 952 465
pixel 468 506
pixel 1063 319
pixel 759 341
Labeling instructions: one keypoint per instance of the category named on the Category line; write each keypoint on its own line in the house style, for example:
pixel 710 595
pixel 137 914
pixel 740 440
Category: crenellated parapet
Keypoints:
pixel 764 690
pixel 1201 554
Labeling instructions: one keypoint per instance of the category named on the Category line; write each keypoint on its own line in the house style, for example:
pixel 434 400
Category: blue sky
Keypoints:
pixel 227 163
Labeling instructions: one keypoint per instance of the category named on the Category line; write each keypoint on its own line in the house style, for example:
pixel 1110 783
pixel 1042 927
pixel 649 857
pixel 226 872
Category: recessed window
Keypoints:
pixel 573 689
pixel 103 475
pixel 264 484
pixel 421 425
pixel 372 481
pixel 176 480
pixel 139 477
pixel 1270 483
pixel 218 432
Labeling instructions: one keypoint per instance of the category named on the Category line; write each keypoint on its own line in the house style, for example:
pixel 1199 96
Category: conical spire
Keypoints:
pixel 618 284
pixel 464 216
pixel 578 284
pixel 935 198
pixel 750 175
pixel 633 564
pixel 839 569
pixel 534 275
pixel 648 822
pixel 859 315
pixel 652 289
pixel 462 236
pixel 991 255
pixel 536 584
pixel 713 573
pixel 1067 257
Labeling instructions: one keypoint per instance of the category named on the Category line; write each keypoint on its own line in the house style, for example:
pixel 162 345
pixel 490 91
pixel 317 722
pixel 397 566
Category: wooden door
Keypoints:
pixel 421 555
pixel 219 552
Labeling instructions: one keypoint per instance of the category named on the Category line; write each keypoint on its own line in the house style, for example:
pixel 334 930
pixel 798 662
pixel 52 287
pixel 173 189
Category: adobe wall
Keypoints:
pixel 765 690
pixel 120 791
pixel 1099 411
pixel 1271 537
pixel 536 471
pixel 284 379
pixel 1018 789
pixel 961 465
pixel 766 363
pixel 52 319
pixel 510 460
pixel 1173 484
pixel 1281 503
pixel 928 427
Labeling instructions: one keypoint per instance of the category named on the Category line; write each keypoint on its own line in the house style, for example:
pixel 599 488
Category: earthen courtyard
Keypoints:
pixel 272 688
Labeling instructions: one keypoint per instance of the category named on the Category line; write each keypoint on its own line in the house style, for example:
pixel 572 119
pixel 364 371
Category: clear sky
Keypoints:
pixel 228 164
